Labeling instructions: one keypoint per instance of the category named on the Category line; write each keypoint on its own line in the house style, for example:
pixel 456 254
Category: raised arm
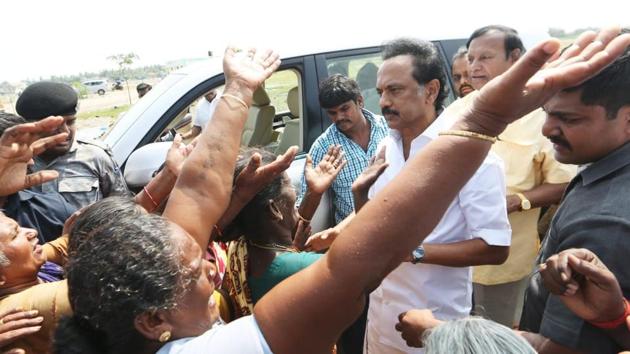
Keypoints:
pixel 202 191
pixel 325 298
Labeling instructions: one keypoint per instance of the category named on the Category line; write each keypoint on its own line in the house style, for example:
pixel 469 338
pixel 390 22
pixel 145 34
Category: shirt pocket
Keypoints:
pixel 86 185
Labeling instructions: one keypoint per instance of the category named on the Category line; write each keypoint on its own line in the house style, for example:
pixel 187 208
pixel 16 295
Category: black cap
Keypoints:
pixel 47 98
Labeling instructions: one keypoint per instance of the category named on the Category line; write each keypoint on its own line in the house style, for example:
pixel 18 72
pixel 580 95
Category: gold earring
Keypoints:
pixel 165 336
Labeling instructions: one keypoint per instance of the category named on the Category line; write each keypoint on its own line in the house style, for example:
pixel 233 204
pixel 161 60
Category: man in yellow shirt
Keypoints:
pixel 534 178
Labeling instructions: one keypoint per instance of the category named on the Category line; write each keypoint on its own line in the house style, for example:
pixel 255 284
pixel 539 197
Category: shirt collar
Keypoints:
pixel 440 124
pixel 608 164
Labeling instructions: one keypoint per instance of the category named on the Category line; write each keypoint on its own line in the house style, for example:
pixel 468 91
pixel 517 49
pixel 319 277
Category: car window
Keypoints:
pixel 275 116
pixel 361 68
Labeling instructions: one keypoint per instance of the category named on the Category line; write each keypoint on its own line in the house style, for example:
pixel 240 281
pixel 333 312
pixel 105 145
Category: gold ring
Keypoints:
pixel 1 321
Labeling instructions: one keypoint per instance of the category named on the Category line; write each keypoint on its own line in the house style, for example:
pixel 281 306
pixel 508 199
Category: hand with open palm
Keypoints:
pixel 18 145
pixel 320 178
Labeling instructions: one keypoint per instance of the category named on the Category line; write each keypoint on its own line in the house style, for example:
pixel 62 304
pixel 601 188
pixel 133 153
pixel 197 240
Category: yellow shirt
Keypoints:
pixel 529 162
pixel 51 300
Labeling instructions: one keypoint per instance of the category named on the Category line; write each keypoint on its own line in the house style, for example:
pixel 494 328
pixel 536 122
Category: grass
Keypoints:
pixel 107 112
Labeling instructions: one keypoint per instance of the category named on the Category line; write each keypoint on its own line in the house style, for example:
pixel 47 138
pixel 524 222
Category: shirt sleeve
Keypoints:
pixel 111 178
pixel 317 153
pixel 197 120
pixel 552 170
pixel 484 205
pixel 608 236
pixel 56 251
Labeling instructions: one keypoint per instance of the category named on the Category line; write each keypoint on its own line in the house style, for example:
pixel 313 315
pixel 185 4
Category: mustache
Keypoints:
pixel 560 141
pixel 388 110
pixel 464 86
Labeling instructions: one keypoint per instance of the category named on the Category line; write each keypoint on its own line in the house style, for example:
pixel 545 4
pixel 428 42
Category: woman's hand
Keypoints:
pixel 253 178
pixel 15 324
pixel 18 145
pixel 320 178
pixel 525 86
pixel 248 69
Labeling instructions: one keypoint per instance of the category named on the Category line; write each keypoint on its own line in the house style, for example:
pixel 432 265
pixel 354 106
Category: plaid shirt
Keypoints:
pixel 357 158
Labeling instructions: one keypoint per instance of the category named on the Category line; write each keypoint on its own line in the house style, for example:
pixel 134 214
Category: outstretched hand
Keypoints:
pixel 18 145
pixel 254 177
pixel 177 154
pixel 249 68
pixel 320 178
pixel 527 85
pixel 584 284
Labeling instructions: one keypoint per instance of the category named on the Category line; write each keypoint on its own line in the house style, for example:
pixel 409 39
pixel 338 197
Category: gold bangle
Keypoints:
pixel 227 95
pixel 468 134
pixel 303 218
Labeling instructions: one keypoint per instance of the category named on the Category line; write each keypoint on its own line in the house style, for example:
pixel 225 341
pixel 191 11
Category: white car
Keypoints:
pixel 96 86
pixel 285 111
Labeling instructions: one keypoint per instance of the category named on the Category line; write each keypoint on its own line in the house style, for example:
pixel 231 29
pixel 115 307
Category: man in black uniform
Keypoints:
pixel 87 172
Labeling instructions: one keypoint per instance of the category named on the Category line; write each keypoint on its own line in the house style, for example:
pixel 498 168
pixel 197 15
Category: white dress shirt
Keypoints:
pixel 478 211
pixel 204 112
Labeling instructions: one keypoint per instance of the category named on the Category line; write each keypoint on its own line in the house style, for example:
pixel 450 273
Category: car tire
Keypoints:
pixel 100 92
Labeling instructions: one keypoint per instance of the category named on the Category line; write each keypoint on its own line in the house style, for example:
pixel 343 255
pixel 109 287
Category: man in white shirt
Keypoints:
pixel 203 113
pixel 473 231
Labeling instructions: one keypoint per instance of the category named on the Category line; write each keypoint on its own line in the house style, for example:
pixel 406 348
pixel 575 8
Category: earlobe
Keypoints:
pixel 3 280
pixel 274 209
pixel 151 325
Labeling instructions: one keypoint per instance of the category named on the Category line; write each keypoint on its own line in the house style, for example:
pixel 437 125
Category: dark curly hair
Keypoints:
pixel 122 262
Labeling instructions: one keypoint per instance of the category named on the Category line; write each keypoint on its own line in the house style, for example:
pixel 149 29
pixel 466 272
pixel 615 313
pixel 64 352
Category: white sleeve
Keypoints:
pixel 483 203
pixel 200 119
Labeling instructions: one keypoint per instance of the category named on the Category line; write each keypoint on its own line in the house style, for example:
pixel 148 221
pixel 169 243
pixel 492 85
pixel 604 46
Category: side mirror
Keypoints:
pixel 144 162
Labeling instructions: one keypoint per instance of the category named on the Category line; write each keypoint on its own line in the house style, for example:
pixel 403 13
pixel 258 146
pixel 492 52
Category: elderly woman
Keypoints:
pixel 149 292
pixel 31 274
pixel 268 251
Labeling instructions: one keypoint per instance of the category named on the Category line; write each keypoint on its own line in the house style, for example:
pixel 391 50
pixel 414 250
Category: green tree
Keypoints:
pixel 124 61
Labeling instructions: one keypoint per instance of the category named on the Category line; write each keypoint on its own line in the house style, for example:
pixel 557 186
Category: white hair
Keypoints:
pixel 474 335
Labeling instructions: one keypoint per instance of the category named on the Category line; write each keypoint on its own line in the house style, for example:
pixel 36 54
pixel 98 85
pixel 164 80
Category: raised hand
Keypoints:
pixel 320 178
pixel 177 154
pixel 301 234
pixel 525 86
pixel 248 68
pixel 366 179
pixel 376 167
pixel 584 285
pixel 18 145
pixel 253 178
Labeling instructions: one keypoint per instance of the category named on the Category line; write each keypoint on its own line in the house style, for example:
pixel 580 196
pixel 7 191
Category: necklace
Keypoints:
pixel 273 247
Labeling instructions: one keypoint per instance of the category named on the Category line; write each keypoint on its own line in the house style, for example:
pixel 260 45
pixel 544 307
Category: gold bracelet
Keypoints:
pixel 468 134
pixel 305 220
pixel 227 95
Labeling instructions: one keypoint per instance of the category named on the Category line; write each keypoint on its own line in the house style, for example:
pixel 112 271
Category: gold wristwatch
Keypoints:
pixel 525 204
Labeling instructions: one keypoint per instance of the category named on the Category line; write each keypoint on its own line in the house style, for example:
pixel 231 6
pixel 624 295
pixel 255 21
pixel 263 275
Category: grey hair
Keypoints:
pixel 461 53
pixel 474 335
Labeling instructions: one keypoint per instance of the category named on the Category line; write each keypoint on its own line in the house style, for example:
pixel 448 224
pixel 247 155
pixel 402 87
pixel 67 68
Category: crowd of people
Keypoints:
pixel 436 246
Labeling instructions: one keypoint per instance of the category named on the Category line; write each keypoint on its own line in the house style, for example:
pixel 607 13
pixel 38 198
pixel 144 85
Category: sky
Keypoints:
pixel 62 37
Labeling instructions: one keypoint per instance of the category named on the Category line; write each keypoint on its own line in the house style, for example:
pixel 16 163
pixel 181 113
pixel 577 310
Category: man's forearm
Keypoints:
pixel 545 194
pixel 464 253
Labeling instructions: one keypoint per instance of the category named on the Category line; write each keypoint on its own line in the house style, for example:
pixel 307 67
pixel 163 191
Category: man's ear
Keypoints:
pixel 274 210
pixel 624 113
pixel 432 91
pixel 151 325
pixel 515 54
pixel 360 101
